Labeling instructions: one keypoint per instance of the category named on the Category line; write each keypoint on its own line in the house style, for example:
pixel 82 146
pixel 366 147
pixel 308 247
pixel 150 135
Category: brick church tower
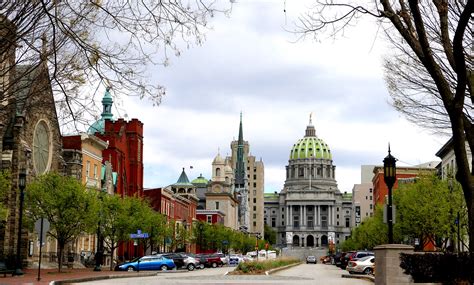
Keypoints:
pixel 125 153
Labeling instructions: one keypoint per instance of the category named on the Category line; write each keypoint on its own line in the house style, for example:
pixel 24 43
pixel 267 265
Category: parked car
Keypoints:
pixel 150 262
pixel 359 254
pixel 345 259
pixel 211 260
pixel 235 259
pixel 336 260
pixel 223 257
pixel 182 260
pixel 311 259
pixel 363 265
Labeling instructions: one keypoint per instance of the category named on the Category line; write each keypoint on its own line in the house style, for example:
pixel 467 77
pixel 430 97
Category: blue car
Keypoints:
pixel 151 262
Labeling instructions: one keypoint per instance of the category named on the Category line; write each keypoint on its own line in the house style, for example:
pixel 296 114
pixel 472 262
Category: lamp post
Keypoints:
pixel 21 185
pixel 389 175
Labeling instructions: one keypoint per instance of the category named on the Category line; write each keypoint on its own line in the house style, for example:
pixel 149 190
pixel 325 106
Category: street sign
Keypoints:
pixel 46 225
pixel 139 234
pixel 143 235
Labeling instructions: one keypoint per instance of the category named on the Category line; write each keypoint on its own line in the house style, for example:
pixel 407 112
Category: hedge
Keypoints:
pixel 446 268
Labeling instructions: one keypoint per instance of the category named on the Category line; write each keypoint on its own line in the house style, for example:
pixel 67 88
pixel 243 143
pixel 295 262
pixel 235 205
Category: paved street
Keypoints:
pixel 302 274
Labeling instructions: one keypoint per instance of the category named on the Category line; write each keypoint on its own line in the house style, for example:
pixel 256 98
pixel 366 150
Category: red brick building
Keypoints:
pixel 124 153
pixel 404 174
pixel 125 150
pixel 210 216
pixel 178 202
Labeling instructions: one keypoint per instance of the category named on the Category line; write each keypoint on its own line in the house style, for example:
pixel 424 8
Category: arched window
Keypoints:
pixel 218 171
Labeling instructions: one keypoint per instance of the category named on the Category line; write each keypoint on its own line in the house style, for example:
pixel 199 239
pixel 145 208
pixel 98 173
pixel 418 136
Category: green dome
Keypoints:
pixel 97 127
pixel 200 180
pixel 310 146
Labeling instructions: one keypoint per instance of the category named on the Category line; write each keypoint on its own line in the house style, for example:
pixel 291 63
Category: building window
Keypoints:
pixel 347 222
pixel 254 200
pixel 255 208
pixel 255 176
pixel 88 168
pixel 254 223
pixel 265 221
pixel 282 223
pixel 296 221
pixel 273 212
pixel 282 216
pixel 139 151
pixel 217 205
pixel 337 209
pixel 337 216
pixel 95 171
pixel 370 198
pixel 370 190
pixel 337 223
pixel 255 184
pixel 347 212
pixel 264 211
pixel 255 192
pixel 370 206
pixel 300 172
pixel 273 222
pixel 209 219
pixel 310 221
pixel 218 171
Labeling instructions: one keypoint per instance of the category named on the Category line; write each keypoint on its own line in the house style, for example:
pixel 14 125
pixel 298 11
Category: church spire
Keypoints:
pixel 240 167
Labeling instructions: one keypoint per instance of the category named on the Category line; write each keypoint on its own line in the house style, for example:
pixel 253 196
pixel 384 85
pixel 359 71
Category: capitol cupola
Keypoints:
pixel 310 146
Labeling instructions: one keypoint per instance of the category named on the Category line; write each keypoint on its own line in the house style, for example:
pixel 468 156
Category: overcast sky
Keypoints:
pixel 251 63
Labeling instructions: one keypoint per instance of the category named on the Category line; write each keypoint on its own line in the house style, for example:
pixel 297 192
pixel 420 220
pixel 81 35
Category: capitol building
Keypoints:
pixel 310 211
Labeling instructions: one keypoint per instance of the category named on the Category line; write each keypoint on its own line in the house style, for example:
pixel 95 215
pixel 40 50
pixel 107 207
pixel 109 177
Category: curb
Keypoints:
pixel 103 277
pixel 359 276
pixel 271 271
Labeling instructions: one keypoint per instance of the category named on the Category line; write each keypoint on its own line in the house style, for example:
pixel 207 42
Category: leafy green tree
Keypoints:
pixel 114 221
pixel 69 207
pixel 269 234
pixel 425 209
pixel 5 186
pixel 370 233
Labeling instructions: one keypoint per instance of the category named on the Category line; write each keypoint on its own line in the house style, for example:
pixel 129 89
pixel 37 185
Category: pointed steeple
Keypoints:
pixel 107 102
pixel 240 166
pixel 183 178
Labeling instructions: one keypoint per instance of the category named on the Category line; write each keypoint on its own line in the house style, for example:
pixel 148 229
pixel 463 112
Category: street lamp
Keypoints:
pixel 390 176
pixel 21 185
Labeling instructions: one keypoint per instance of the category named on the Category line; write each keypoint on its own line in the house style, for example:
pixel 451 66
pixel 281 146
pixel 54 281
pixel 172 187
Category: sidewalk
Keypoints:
pixel 47 275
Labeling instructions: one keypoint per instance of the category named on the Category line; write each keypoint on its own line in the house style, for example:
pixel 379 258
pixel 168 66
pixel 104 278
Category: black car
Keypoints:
pixel 345 259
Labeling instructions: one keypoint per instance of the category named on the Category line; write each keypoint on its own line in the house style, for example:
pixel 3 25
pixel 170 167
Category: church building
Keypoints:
pixel 30 138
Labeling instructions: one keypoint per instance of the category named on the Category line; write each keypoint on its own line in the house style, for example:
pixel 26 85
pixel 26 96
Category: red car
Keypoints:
pixel 210 260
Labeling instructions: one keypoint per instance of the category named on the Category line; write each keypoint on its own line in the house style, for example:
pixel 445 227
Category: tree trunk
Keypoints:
pixel 60 255
pixel 112 249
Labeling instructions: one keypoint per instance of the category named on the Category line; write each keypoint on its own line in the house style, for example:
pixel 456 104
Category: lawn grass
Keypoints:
pixel 259 267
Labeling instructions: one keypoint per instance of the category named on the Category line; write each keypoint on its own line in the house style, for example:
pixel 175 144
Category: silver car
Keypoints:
pixel 363 265
pixel 311 259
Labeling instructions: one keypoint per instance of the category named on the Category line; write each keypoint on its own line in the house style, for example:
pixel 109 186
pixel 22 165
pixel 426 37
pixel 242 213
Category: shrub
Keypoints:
pixel 259 267
pixel 444 268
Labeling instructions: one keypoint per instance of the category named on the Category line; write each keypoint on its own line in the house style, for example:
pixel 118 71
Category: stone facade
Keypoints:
pixel 221 194
pixel 363 201
pixel 30 136
pixel 251 186
pixel 311 212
